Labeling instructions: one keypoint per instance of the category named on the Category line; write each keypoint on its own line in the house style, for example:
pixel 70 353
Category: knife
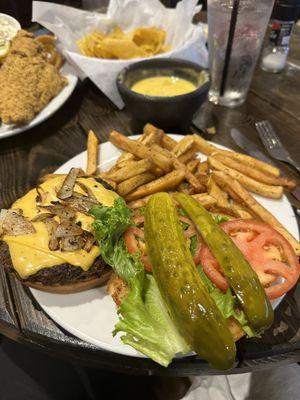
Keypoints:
pixel 250 148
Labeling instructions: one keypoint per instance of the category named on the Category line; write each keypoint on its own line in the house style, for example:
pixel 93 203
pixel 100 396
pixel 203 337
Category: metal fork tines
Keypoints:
pixel 273 144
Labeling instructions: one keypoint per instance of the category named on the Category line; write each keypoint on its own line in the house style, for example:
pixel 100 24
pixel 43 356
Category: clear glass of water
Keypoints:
pixel 230 79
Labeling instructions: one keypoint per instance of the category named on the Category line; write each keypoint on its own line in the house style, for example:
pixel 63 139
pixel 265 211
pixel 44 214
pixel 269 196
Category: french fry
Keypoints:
pixel 215 191
pixel 132 146
pixel 208 149
pixel 273 192
pixel 138 203
pixel 160 160
pixel 124 157
pixel 240 210
pixel 130 184
pixel 183 145
pixel 166 182
pixel 192 165
pixel 203 167
pixel 189 176
pixel 161 157
pixel 202 178
pixel 205 199
pixel 203 145
pixel 123 164
pixel 133 168
pixel 149 136
pixel 148 129
pixel 92 153
pixel 167 142
pixel 186 187
pixel 255 173
pixel 242 196
pixel 189 155
pixel 153 136
pixel 251 162
pixel 151 130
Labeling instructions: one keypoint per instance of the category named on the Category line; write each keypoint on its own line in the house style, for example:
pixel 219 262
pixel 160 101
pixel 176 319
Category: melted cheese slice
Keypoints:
pixel 30 253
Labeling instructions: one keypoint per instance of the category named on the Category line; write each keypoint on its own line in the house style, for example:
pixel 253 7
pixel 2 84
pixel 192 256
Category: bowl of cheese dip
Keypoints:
pixel 165 92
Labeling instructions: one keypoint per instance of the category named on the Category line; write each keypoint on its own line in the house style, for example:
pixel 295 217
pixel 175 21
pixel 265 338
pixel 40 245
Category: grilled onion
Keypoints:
pixel 80 202
pixel 15 224
pixel 51 226
pixel 71 243
pixel 68 229
pixel 67 187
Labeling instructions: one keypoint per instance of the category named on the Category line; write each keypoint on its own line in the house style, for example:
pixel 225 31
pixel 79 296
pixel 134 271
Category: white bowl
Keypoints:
pixel 13 21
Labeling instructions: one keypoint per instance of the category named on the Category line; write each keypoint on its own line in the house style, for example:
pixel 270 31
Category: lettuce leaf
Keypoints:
pixel 226 303
pixel 110 224
pixel 147 325
pixel 220 218
pixel 143 316
pixel 193 245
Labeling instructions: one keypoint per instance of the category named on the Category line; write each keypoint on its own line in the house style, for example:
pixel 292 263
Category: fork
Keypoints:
pixel 273 144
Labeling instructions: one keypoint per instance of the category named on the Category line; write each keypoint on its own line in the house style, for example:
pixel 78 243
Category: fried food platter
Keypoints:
pixel 34 82
pixel 50 109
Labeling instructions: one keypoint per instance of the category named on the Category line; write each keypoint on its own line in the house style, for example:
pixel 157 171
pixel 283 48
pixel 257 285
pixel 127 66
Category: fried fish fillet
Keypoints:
pixel 27 80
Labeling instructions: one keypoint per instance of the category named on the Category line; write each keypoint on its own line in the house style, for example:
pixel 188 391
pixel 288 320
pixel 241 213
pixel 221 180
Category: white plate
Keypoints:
pixel 51 107
pixel 91 315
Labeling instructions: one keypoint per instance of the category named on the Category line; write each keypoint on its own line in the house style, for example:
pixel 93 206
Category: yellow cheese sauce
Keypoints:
pixel 30 253
pixel 164 86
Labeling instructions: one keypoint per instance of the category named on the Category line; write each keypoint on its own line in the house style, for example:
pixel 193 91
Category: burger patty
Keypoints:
pixel 58 274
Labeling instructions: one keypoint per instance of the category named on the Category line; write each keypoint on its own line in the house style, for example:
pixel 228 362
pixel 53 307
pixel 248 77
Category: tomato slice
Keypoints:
pixel 131 237
pixel 268 252
pixel 197 255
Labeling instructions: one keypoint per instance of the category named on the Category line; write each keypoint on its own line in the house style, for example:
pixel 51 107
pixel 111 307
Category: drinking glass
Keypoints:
pixel 236 29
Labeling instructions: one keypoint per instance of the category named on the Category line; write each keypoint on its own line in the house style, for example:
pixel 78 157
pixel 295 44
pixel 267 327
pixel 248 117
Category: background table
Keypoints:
pixel 26 157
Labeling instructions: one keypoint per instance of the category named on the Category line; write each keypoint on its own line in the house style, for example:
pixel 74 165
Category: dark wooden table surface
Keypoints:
pixel 26 157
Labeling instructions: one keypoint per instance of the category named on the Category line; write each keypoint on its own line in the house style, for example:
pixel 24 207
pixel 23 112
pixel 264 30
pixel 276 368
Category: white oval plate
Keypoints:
pixel 51 107
pixel 91 315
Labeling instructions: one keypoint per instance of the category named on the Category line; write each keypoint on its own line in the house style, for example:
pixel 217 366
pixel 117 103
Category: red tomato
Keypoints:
pixel 197 255
pixel 268 252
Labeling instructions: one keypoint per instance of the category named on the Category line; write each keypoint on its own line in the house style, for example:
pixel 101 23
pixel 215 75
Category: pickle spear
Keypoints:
pixel 194 312
pixel 241 277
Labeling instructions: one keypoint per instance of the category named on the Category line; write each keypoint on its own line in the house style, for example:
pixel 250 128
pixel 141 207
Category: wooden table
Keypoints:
pixel 26 157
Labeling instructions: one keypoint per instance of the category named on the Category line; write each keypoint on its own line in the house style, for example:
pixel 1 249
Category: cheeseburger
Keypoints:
pixel 46 237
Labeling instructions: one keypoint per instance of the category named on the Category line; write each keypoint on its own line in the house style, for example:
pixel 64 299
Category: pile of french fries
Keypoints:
pixel 222 183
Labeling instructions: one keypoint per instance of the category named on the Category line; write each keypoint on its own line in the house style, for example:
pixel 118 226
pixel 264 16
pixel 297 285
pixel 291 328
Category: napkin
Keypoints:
pixel 272 382
pixel 69 24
